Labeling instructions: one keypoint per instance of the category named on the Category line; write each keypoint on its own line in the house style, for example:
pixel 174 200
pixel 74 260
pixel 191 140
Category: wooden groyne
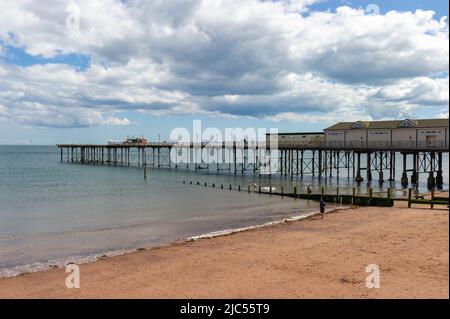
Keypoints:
pixel 354 199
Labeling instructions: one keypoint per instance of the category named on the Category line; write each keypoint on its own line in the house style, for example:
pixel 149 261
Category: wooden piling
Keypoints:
pixel 432 199
pixel 409 197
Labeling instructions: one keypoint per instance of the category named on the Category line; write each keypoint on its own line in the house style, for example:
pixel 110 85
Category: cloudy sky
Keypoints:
pixel 88 71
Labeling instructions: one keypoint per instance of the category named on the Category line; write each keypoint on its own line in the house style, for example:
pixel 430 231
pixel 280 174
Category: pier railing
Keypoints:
pixel 368 145
pixel 338 145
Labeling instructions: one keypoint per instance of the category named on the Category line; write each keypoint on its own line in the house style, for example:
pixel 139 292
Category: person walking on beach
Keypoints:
pixel 322 206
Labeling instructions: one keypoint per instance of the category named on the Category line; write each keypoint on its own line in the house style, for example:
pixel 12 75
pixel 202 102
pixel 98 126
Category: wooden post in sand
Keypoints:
pixel 295 190
pixel 409 197
pixel 432 198
pixel 370 195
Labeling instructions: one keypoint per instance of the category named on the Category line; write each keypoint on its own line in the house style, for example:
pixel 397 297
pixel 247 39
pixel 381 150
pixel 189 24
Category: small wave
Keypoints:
pixel 272 223
pixel 59 263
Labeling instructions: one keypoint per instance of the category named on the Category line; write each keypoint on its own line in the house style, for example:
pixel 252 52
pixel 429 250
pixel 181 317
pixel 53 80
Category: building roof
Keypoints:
pixel 297 133
pixel 424 123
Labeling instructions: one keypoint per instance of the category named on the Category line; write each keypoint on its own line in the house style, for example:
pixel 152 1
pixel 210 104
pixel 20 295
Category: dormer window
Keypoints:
pixel 358 124
pixel 407 123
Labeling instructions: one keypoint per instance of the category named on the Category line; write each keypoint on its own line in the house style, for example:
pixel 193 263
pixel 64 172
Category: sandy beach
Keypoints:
pixel 311 258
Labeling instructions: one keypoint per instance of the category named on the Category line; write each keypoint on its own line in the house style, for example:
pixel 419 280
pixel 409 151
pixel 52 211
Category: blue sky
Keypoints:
pixel 440 7
pixel 86 73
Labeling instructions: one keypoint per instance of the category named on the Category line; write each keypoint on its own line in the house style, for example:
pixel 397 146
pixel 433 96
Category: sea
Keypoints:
pixel 53 213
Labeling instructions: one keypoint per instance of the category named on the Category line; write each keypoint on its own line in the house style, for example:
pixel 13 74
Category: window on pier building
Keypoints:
pixel 358 124
pixel 407 123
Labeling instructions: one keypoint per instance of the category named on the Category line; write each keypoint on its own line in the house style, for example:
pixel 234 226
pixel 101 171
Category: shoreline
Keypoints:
pixel 163 260
pixel 62 262
pixel 11 272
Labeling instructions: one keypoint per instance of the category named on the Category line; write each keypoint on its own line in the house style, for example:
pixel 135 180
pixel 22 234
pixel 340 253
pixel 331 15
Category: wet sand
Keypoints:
pixel 312 258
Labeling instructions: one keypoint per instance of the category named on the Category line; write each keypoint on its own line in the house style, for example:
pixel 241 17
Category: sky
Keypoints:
pixel 83 71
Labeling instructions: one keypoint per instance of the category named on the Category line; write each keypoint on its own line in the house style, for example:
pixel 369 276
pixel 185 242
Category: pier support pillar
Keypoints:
pixel 380 176
pixel 301 164
pixel 358 177
pixel 320 163
pixel 159 158
pixel 414 173
pixel 82 153
pixel 439 179
pixel 313 162
pixel 380 169
pixel 347 162
pixel 404 179
pixel 369 168
pixel 391 165
pixel 431 182
pixel 337 163
pixel 331 164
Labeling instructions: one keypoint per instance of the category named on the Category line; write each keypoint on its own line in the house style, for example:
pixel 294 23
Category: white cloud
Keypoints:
pixel 267 59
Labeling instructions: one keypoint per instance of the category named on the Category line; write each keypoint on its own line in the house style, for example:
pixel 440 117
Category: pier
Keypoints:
pixel 321 159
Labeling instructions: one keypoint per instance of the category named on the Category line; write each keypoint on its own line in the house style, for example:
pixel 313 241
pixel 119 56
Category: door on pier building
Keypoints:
pixel 431 140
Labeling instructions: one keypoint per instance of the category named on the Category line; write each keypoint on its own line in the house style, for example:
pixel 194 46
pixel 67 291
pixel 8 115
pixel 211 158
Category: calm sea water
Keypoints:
pixel 53 212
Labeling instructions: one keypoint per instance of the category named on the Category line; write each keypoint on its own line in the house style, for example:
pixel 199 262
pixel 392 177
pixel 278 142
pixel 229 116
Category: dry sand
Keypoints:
pixel 313 258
